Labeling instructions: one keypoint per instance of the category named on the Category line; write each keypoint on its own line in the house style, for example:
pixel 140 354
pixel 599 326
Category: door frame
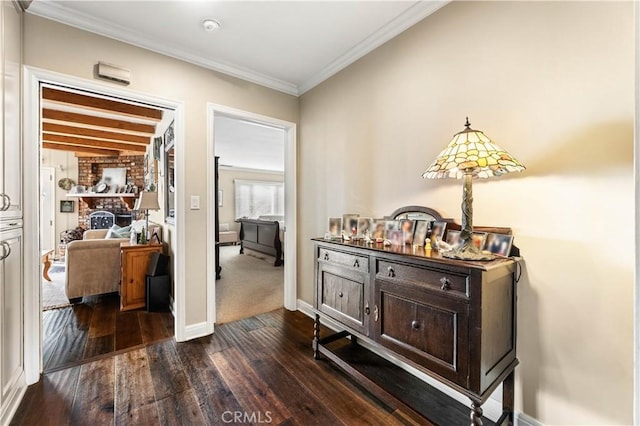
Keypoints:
pixel 290 203
pixel 33 77
pixel 52 185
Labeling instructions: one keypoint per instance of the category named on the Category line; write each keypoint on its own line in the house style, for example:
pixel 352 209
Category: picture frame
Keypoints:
pixel 396 236
pixel 478 239
pixel 391 225
pixel 350 224
pixel 408 227
pixel 498 244
pixel 335 227
pixel 67 206
pixel 378 229
pixel 437 231
pixel 453 238
pixel 364 224
pixel 420 232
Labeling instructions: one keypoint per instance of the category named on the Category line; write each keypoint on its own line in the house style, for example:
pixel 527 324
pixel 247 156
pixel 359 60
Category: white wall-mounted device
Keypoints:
pixel 113 73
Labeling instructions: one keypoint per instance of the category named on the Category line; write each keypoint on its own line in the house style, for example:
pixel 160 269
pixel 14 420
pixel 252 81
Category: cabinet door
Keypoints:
pixel 426 328
pixel 135 262
pixel 11 160
pixel 342 294
pixel 11 314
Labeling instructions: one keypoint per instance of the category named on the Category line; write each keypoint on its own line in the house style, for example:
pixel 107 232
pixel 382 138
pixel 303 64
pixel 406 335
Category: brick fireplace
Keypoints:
pixel 90 172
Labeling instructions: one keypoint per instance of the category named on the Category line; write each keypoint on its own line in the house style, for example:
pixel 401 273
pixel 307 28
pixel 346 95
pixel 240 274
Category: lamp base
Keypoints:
pixel 467 251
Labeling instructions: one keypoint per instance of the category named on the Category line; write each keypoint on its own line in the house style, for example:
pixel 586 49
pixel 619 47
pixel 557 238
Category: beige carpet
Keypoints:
pixel 249 285
pixel 53 295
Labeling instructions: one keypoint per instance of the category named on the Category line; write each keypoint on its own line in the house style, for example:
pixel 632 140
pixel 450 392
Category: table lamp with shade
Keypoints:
pixel 147 201
pixel 470 155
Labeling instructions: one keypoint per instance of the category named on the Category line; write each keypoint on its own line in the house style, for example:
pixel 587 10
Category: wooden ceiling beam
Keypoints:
pixel 75 148
pixel 94 133
pixel 100 104
pixel 92 120
pixel 93 143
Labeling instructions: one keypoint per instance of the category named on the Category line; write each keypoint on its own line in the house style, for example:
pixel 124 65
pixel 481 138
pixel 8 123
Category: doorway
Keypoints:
pixel 35 80
pixel 288 131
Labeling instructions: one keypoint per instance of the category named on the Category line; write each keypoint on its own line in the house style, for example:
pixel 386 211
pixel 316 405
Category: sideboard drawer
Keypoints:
pixel 440 280
pixel 358 263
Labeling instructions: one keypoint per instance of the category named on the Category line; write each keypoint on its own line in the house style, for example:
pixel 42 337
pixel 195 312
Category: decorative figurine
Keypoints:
pixel 386 243
pixel 367 238
pixel 345 237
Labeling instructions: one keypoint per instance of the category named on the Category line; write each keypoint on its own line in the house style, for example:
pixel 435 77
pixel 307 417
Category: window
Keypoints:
pixel 259 198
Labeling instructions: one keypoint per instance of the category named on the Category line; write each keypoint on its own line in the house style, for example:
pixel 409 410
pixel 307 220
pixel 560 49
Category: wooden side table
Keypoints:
pixel 135 262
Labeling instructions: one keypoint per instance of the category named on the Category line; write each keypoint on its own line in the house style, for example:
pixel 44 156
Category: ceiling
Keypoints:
pixel 249 145
pixel 88 124
pixel 290 46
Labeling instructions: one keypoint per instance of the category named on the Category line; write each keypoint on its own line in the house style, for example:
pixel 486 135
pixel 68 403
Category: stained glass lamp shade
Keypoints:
pixel 470 155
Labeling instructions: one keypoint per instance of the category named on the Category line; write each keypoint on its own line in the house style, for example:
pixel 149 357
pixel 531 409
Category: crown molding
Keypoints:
pixel 402 22
pixel 411 16
pixel 56 12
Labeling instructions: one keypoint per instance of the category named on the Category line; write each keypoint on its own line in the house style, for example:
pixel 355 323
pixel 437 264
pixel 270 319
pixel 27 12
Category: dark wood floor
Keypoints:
pixel 95 328
pixel 257 370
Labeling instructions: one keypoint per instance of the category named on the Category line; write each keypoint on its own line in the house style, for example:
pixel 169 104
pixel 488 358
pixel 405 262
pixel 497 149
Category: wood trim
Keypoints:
pixel 92 120
pixel 100 104
pixel 76 148
pixel 95 133
pixel 91 143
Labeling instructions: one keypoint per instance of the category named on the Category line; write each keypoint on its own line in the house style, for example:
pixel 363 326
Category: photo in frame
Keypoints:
pixel 408 227
pixel 67 206
pixel 437 231
pixel 499 244
pixel 478 239
pixel 364 224
pixel 420 233
pixel 335 227
pixel 378 230
pixel 453 238
pixel 350 224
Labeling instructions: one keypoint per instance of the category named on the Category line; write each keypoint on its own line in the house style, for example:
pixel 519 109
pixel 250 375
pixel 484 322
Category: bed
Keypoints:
pixel 263 236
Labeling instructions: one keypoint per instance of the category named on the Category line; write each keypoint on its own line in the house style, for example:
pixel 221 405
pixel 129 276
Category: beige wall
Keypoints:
pixel 227 212
pixel 552 83
pixel 70 51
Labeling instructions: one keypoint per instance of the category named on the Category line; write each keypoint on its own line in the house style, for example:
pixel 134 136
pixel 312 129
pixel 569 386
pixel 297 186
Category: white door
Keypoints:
pixel 11 320
pixel 47 208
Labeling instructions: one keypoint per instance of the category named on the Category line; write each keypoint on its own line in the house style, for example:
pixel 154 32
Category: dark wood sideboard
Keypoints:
pixel 453 320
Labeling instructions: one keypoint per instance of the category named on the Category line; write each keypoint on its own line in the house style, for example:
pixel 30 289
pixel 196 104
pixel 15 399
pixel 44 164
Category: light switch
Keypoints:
pixel 195 202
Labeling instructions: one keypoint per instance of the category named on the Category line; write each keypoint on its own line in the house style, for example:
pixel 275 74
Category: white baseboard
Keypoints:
pixel 492 408
pixel 12 404
pixel 525 420
pixel 196 330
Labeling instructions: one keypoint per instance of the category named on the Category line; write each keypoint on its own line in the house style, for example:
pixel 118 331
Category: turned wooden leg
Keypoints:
pixel 508 390
pixel 47 265
pixel 476 414
pixel 316 337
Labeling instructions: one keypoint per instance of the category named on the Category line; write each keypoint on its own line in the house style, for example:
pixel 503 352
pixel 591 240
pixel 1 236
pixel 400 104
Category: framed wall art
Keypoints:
pixel 67 206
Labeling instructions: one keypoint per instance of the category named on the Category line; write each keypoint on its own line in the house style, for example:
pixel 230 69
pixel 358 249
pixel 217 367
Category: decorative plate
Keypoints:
pixel 66 184
pixel 101 187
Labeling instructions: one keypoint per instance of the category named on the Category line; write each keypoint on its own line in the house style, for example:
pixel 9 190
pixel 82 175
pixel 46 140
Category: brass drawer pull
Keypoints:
pixel 446 283
pixel 367 310
pixel 356 264
pixel 390 272
pixel 340 294
pixel 415 325
pixel 326 256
